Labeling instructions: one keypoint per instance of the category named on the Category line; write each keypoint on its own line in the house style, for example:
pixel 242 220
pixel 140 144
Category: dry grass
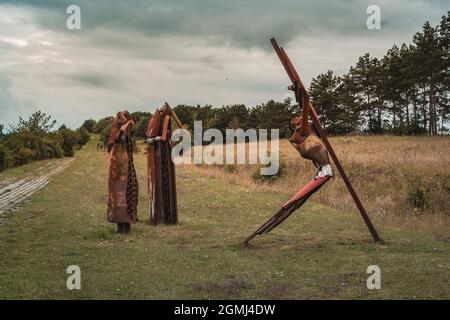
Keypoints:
pixel 400 180
pixel 319 253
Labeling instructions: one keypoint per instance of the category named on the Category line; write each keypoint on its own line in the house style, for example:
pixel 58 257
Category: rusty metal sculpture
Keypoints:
pixel 160 167
pixel 311 142
pixel 123 187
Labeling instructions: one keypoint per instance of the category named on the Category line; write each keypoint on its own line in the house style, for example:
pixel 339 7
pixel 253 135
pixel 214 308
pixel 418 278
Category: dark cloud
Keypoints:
pixel 95 80
pixel 243 24
pixel 143 52
pixel 211 61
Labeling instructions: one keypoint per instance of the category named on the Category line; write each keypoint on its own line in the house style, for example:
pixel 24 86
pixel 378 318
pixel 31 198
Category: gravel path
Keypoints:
pixel 13 193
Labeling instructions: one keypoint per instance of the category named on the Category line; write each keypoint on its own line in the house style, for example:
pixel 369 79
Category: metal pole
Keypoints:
pixel 299 87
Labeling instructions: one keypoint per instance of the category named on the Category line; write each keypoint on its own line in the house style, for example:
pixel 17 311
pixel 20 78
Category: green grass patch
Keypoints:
pixel 318 253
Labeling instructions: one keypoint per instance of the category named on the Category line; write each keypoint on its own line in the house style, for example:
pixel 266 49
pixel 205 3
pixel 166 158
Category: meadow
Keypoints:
pixel 401 180
pixel 321 252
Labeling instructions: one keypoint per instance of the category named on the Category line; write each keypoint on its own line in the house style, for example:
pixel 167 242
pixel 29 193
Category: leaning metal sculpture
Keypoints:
pixel 122 182
pixel 312 144
pixel 162 193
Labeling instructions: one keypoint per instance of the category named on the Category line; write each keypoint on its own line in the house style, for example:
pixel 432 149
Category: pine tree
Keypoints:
pixel 366 83
pixel 429 56
pixel 444 44
pixel 326 102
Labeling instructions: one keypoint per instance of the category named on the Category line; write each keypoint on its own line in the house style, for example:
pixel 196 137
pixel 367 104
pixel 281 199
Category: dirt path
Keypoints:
pixel 14 192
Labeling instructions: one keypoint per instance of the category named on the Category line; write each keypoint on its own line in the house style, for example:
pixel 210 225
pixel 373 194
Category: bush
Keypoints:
pixel 34 139
pixel 24 147
pixel 140 128
pixel 104 136
pixel 89 125
pixel 5 157
pixel 103 124
pixel 418 196
pixel 446 183
pixel 54 144
pixel 230 168
pixel 84 136
pixel 258 177
pixel 69 139
pixel 24 155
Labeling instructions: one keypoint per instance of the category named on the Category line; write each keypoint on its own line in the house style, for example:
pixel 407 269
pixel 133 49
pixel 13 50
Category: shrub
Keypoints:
pixel 54 144
pixel 84 136
pixel 102 124
pixel 39 124
pixel 34 139
pixel 258 177
pixel 89 125
pixel 24 147
pixel 446 183
pixel 69 139
pixel 5 157
pixel 140 127
pixel 134 145
pixel 23 155
pixel 417 196
pixel 230 168
pixel 104 136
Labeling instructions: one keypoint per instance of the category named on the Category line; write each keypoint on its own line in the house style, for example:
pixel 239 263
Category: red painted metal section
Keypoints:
pixel 310 187
pixel 289 207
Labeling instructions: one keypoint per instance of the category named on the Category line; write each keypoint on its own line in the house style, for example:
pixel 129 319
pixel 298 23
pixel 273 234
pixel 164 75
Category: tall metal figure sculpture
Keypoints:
pixel 160 167
pixel 123 187
pixel 311 142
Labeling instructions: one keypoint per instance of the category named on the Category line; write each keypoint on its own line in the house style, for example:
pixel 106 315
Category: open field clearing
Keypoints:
pixel 401 180
pixel 322 251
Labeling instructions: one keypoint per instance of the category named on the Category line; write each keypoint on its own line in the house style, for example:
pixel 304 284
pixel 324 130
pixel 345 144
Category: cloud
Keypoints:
pixel 244 24
pixel 210 61
pixel 137 54
pixel 11 108
pixel 14 41
pixel 96 80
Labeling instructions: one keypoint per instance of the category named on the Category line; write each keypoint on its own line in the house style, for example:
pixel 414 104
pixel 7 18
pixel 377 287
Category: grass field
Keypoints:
pixel 320 252
pixel 402 181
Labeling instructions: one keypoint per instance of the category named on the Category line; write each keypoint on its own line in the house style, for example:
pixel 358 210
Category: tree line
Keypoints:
pixel 36 139
pixel 404 92
pixel 269 115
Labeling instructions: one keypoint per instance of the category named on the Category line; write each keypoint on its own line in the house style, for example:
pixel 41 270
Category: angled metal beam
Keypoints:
pixel 300 90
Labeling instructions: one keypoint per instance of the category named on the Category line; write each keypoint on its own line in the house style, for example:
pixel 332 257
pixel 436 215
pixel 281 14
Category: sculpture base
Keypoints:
pixel 123 228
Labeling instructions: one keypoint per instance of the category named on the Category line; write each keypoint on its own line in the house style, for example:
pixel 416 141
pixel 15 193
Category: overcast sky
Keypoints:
pixel 138 54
